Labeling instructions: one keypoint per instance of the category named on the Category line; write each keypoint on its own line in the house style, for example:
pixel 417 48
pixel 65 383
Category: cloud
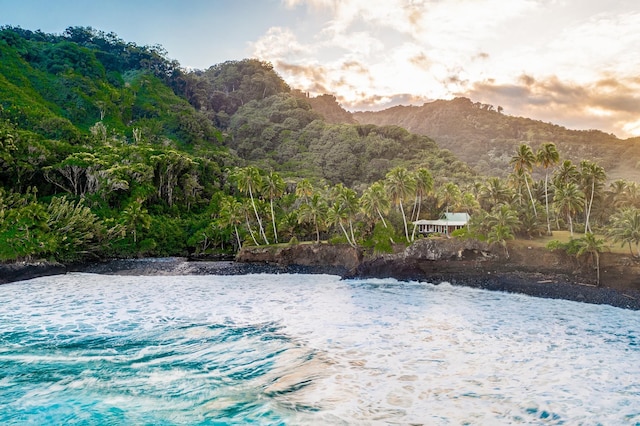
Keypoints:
pixel 570 62
pixel 609 104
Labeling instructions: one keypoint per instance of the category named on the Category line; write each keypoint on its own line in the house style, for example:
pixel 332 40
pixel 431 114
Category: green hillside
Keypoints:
pixel 108 148
pixel 485 138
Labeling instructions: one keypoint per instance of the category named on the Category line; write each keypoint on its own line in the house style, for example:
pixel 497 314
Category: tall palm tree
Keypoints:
pixel 273 186
pixel 568 200
pixel 347 200
pixel 567 172
pixel 548 156
pixel 135 216
pixel 313 211
pixel 449 195
pixel 625 228
pixel 590 245
pixel 503 222
pixel 304 190
pixel 524 161
pixel 231 212
pixel 493 192
pixel 400 186
pixel 337 216
pixel 592 178
pixel 374 201
pixel 249 181
pixel 424 186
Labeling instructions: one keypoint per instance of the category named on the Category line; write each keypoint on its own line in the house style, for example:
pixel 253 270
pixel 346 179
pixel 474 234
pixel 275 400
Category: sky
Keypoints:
pixel 575 63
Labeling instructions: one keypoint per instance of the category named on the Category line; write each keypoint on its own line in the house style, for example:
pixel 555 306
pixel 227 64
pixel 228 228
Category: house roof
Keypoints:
pixel 447 219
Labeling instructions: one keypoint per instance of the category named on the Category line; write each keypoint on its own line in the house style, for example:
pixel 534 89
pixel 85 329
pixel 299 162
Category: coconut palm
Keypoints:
pixel 374 201
pixel 548 156
pixel 524 161
pixel 347 201
pixel 592 178
pixel 494 192
pixel 592 246
pixel 449 195
pixel 624 228
pixel 567 172
pixel 568 200
pixel 135 217
pixel 231 212
pixel 248 180
pixel 304 190
pixel 314 212
pixel 273 186
pixel 400 186
pixel 424 185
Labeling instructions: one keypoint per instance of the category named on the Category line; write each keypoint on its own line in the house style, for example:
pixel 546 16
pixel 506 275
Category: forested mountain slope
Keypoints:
pixel 486 138
pixel 108 148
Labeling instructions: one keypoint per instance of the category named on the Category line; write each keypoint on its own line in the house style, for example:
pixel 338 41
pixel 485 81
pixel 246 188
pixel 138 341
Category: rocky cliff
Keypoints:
pixel 534 271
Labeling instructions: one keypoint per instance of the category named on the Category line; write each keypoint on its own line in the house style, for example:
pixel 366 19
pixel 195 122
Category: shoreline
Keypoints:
pixel 536 284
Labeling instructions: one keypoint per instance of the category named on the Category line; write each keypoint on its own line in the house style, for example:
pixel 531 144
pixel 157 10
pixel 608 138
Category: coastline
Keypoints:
pixel 459 263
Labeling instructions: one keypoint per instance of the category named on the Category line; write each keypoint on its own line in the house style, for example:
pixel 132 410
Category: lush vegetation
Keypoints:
pixel 111 149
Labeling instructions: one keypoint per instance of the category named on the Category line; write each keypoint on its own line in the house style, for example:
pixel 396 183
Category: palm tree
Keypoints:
pixel 273 186
pixel 249 180
pixel 400 185
pixel 493 192
pixel 314 211
pixel 592 177
pixel 374 201
pixel 304 190
pixel 625 228
pixel 347 201
pixel 424 186
pixel 135 216
pixel 523 161
pixel 499 234
pixel 231 212
pixel 568 200
pixel 548 156
pixel 566 173
pixel 449 195
pixel 336 216
pixel 590 245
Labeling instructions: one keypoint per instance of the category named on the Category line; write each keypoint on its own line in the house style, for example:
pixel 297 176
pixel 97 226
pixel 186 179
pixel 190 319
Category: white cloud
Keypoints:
pixel 443 48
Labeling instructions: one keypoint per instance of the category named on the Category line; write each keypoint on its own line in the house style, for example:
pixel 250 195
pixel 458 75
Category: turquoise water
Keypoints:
pixel 308 349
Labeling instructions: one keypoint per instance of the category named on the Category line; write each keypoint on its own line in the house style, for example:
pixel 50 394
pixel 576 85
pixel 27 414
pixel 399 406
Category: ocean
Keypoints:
pixel 294 349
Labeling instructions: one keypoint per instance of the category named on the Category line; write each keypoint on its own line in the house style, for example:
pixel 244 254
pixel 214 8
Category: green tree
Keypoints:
pixel 523 162
pixel 273 186
pixel 314 212
pixel 449 195
pixel 568 201
pixel 231 212
pixel 374 201
pixel 249 181
pixel 400 186
pixel 135 217
pixel 624 227
pixel 548 156
pixel 424 186
pixel 591 246
pixel 592 178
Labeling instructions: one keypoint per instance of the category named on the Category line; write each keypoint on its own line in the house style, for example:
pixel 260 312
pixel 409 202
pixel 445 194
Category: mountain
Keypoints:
pixel 486 139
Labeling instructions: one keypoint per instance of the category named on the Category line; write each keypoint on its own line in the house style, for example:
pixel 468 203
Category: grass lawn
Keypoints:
pixel 564 237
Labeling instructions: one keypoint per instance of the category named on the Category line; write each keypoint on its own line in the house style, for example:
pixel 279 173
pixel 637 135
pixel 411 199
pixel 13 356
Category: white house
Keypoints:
pixel 447 223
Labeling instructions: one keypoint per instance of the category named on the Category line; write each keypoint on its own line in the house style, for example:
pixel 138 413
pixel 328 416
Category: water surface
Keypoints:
pixel 308 349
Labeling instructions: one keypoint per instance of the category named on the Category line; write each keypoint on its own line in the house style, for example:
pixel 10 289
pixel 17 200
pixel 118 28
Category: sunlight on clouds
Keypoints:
pixel 575 70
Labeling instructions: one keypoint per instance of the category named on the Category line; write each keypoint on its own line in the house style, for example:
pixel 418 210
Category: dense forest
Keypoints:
pixel 110 149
